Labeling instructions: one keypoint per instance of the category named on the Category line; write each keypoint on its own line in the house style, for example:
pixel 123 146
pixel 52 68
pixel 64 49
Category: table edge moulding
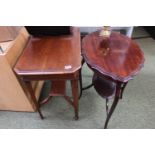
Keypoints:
pixel 100 69
pixel 46 58
pixel 116 58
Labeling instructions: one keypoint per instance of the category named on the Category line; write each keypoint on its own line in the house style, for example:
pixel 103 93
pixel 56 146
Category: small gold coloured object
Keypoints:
pixel 105 35
pixel 105 32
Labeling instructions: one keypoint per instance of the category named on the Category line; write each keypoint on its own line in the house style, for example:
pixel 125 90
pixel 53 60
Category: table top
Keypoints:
pixel 51 55
pixel 121 63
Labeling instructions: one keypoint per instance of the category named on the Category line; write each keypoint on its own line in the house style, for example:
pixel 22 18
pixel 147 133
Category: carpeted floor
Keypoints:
pixel 135 111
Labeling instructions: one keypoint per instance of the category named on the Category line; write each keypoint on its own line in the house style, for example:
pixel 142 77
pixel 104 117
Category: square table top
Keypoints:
pixel 51 55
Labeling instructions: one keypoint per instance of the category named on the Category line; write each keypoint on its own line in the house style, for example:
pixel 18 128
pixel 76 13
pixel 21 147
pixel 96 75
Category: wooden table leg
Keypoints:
pixel 87 87
pixel 81 85
pixel 30 89
pixel 115 102
pixel 80 80
pixel 74 85
pixel 122 90
pixel 45 100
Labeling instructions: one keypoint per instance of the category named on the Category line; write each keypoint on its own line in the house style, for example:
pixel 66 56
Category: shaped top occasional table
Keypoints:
pixel 51 58
pixel 119 64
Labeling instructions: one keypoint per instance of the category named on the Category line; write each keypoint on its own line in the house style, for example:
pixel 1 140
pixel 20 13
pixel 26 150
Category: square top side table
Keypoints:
pixel 55 58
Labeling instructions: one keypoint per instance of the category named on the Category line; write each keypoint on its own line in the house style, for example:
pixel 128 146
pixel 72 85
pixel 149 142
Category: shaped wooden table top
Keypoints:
pixel 55 58
pixel 117 58
pixel 51 55
pixel 123 60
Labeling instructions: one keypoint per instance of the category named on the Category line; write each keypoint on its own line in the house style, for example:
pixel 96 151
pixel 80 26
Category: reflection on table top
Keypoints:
pixel 51 55
pixel 123 60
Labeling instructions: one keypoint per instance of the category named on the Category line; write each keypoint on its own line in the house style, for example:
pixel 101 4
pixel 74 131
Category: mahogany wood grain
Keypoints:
pixel 105 88
pixel 121 62
pixel 74 84
pixel 117 59
pixel 58 88
pixel 51 55
pixel 55 58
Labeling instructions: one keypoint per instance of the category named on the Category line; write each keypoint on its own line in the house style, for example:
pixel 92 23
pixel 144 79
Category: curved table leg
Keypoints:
pixel 80 78
pixel 45 100
pixel 115 102
pixel 80 81
pixel 83 61
pixel 107 107
pixel 87 87
pixel 122 90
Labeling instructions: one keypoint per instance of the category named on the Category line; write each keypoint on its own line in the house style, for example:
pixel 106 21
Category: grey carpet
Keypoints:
pixel 135 111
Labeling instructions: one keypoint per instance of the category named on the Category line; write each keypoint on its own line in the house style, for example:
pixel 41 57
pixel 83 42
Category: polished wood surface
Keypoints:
pixel 55 58
pixel 116 58
pixel 123 60
pixel 51 55
pixel 104 87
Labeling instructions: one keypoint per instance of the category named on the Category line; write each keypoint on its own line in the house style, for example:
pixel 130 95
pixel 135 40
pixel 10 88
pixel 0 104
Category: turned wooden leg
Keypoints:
pixel 80 78
pixel 115 102
pixel 74 85
pixel 30 89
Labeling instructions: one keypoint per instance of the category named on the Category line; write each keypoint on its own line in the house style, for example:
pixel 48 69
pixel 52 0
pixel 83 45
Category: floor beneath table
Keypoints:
pixel 135 110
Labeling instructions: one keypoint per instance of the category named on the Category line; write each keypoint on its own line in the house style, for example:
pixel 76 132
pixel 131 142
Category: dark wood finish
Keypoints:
pixel 123 61
pixel 58 88
pixel 74 84
pixel 52 58
pixel 80 82
pixel 118 59
pixel 115 102
pixel 104 87
pixel 122 90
